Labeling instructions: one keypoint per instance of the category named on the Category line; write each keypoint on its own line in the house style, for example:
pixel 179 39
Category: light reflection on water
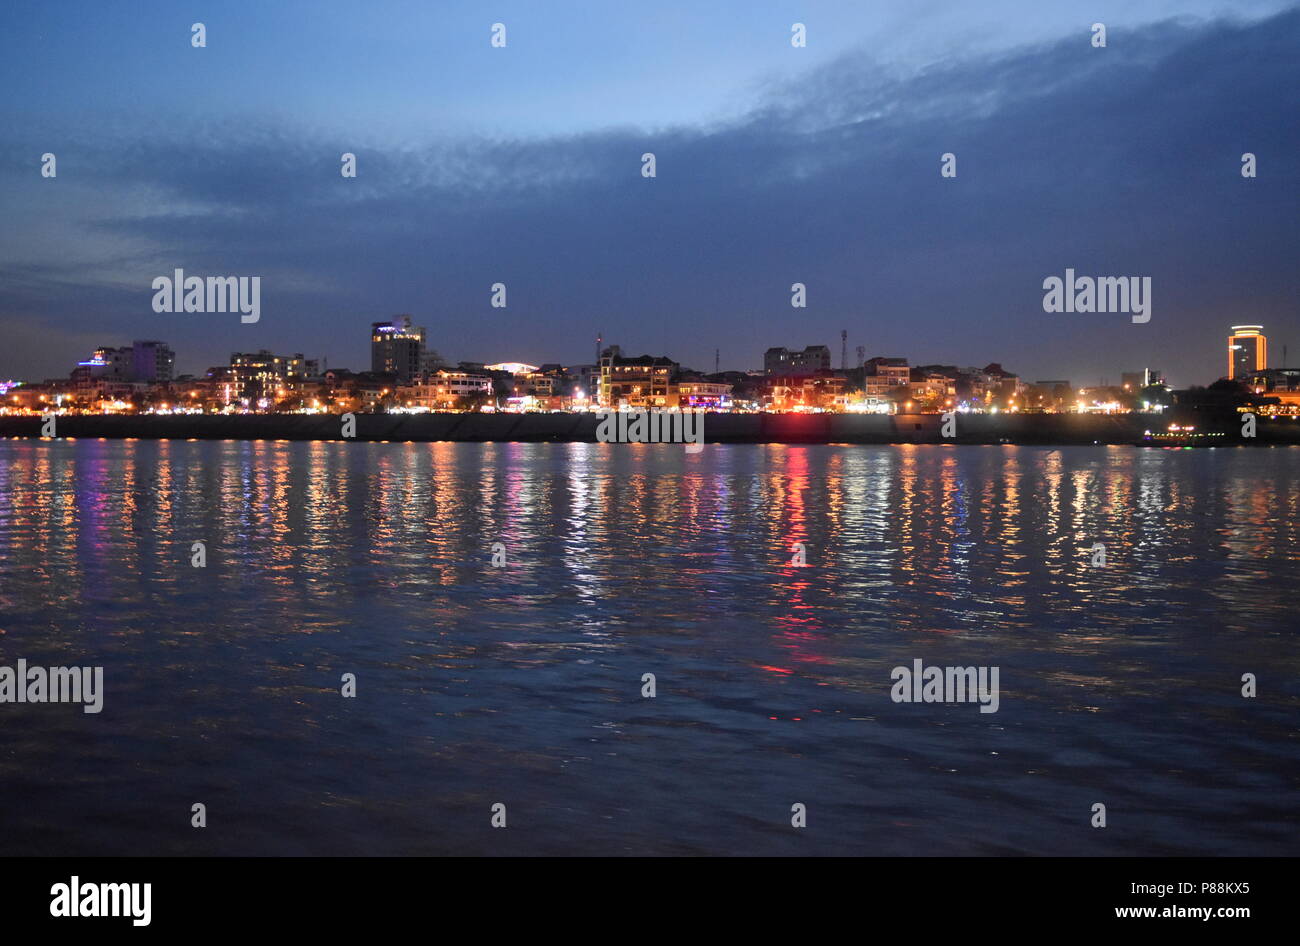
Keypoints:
pixel 522 684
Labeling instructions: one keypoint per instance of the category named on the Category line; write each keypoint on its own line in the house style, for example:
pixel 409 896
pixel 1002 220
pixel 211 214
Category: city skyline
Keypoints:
pixel 415 356
pixel 833 152
pixel 407 376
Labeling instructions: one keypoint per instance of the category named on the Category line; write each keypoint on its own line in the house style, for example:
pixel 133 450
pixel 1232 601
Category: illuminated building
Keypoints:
pixel 257 374
pixel 640 382
pixel 1281 390
pixel 889 372
pixel 821 392
pixel 114 364
pixel 444 390
pixel 782 362
pixel 931 389
pixel 512 367
pixel 397 348
pixel 704 394
pixel 105 373
pixel 1247 352
pixel 144 361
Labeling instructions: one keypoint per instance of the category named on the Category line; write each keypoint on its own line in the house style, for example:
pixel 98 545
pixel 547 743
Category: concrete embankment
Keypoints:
pixel 1046 429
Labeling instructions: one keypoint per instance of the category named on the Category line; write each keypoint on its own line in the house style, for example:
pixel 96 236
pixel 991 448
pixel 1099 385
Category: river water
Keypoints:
pixel 520 681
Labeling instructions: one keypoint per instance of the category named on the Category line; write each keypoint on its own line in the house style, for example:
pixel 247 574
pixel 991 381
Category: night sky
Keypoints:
pixel 775 165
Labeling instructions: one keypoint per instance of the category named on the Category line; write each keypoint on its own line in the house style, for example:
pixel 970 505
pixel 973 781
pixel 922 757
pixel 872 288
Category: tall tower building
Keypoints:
pixel 397 347
pixel 152 361
pixel 1247 351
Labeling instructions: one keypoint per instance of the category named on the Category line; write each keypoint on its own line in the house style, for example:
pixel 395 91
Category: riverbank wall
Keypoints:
pixel 1043 429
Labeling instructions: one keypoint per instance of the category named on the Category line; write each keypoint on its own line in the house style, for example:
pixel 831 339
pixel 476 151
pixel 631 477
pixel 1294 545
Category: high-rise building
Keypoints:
pixel 1247 352
pixel 397 348
pixel 152 361
pixel 782 362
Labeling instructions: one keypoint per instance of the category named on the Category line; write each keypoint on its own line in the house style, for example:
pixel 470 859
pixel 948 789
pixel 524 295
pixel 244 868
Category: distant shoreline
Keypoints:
pixel 1025 429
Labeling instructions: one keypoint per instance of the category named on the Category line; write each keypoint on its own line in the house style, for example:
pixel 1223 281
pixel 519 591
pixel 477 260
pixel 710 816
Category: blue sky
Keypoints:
pixel 776 165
